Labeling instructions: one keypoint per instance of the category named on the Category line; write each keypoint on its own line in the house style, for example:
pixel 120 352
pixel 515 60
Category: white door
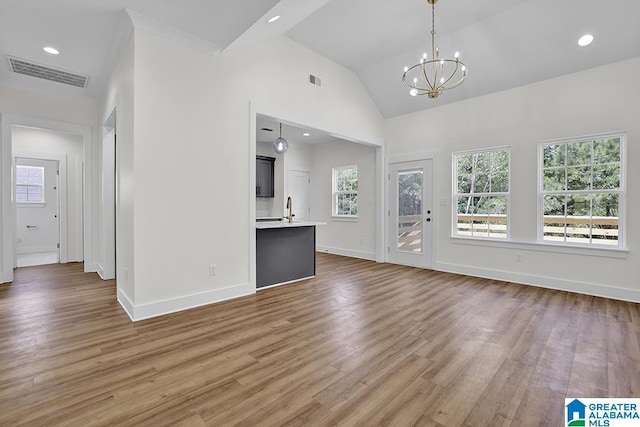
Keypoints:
pixel 410 213
pixel 37 213
pixel 299 183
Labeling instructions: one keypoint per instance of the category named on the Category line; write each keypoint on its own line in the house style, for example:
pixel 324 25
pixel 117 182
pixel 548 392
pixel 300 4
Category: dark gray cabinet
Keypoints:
pixel 264 176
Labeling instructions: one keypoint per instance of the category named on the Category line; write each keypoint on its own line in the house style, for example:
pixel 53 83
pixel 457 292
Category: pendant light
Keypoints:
pixel 280 145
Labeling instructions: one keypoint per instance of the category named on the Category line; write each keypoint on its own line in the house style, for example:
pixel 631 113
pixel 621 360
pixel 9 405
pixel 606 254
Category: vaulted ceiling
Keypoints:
pixel 505 43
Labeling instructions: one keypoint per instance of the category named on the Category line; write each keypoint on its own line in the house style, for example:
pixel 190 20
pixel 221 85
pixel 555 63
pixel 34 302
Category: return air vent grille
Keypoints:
pixel 27 68
pixel 315 80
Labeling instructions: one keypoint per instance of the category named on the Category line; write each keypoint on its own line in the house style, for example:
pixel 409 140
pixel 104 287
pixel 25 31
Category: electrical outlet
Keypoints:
pixel 518 257
pixel 212 270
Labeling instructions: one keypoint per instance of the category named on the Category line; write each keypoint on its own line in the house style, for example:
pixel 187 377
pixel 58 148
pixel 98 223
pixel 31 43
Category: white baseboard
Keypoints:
pixel 6 278
pixel 126 304
pixel 36 249
pixel 90 268
pixel 100 271
pixel 347 252
pixel 593 289
pixel 160 308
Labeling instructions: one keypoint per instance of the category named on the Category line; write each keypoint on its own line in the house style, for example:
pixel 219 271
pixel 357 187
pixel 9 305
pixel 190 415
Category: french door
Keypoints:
pixel 410 213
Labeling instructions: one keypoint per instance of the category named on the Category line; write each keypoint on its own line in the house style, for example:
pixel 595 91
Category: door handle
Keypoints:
pixel 32 226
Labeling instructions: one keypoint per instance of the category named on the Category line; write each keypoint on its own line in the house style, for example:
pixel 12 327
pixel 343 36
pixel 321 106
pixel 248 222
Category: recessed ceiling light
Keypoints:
pixel 306 134
pixel 585 40
pixel 273 19
pixel 51 50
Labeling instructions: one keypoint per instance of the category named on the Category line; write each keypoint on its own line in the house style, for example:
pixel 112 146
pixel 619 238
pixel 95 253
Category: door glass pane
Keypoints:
pixel 410 211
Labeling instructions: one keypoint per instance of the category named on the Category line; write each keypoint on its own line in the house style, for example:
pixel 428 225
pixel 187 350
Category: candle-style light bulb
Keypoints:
pixel 406 69
pixel 424 55
pixel 457 55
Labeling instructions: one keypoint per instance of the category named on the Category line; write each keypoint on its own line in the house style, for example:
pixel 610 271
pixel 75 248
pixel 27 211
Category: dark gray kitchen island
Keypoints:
pixel 285 252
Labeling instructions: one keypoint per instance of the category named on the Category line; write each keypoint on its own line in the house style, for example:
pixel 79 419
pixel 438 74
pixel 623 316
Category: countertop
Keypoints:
pixel 286 224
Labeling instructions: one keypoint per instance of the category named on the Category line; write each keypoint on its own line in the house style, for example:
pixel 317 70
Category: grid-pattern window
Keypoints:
pixel 481 193
pixel 29 184
pixel 345 191
pixel 581 191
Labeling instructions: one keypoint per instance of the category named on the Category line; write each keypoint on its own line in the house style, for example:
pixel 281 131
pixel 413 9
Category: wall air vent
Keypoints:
pixel 32 69
pixel 315 80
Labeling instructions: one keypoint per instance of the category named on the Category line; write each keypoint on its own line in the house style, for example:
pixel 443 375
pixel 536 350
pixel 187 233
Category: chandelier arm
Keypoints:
pixel 450 77
pixel 426 78
pixel 459 82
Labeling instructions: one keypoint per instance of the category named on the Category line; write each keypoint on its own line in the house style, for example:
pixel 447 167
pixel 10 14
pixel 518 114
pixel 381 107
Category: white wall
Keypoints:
pixel 191 157
pixel 344 236
pixel 594 101
pixel 119 94
pixel 298 157
pixel 25 139
pixel 27 103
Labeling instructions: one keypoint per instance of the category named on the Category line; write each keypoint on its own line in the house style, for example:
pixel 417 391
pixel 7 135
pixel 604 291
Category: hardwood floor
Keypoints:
pixel 362 344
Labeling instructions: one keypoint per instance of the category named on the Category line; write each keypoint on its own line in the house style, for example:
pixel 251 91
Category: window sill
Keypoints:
pixel 543 247
pixel 344 218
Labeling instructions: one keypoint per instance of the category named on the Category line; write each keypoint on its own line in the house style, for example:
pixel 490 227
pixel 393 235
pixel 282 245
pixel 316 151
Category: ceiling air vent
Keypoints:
pixel 27 68
pixel 315 80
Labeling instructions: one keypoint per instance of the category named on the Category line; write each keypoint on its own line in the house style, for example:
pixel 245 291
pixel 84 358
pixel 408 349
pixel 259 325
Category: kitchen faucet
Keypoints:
pixel 290 207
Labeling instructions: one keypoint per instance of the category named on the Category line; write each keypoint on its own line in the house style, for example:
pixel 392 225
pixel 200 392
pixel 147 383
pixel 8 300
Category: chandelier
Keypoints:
pixel 433 76
pixel 280 145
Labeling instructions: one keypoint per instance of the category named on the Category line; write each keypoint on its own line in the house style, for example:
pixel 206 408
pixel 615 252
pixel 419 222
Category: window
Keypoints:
pixel 581 190
pixel 345 191
pixel 29 184
pixel 481 193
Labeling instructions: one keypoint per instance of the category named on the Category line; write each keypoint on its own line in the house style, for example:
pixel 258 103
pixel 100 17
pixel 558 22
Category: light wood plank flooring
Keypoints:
pixel 362 344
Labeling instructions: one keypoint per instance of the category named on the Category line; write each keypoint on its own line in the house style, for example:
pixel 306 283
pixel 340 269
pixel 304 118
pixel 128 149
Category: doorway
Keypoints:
pixel 37 195
pixel 410 214
pixel 75 246
pixel 299 183
pixel 107 267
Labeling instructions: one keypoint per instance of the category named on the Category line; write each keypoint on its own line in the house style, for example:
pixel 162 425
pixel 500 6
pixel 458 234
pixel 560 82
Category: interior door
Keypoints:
pixel 299 183
pixel 410 213
pixel 37 213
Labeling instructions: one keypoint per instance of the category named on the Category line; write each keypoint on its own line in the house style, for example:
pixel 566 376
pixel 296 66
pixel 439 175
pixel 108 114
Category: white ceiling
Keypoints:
pixel 505 43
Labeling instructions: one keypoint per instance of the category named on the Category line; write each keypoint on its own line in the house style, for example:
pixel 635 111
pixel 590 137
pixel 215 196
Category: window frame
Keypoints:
pixel 455 194
pixel 42 201
pixel 335 192
pixel 622 192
